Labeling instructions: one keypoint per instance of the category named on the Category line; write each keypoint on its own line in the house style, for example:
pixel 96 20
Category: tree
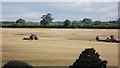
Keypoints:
pixel 17 64
pixel 20 21
pixel 46 19
pixel 66 23
pixel 75 24
pixel 97 23
pixel 118 19
pixel 87 21
pixel 89 59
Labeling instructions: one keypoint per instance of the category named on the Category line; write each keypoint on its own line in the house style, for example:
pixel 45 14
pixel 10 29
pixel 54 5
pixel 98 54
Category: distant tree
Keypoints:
pixel 119 19
pixel 75 24
pixel 20 21
pixel 66 23
pixel 17 64
pixel 114 22
pixel 87 21
pixel 46 19
pixel 89 59
pixel 97 22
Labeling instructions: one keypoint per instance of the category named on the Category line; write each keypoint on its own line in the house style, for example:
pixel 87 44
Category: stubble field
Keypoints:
pixel 56 47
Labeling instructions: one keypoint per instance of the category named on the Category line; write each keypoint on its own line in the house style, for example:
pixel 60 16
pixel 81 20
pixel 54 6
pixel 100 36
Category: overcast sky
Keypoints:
pixel 32 11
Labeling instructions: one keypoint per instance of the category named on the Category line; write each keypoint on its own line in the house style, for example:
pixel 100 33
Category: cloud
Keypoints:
pixel 28 16
pixel 32 11
pixel 119 10
pixel 0 11
pixel 59 0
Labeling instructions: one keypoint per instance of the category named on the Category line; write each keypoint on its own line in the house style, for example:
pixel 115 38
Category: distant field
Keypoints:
pixel 56 47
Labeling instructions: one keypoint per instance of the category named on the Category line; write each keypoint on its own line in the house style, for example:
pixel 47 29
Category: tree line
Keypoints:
pixel 46 21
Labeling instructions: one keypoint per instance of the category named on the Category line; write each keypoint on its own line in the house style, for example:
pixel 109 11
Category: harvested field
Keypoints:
pixel 56 47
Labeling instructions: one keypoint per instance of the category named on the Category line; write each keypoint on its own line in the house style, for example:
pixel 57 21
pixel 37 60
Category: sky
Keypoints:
pixel 59 0
pixel 32 11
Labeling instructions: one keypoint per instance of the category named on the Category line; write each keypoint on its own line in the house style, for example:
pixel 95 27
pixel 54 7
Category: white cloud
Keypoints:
pixel 59 0
pixel 32 11
pixel 113 7
pixel 0 11
pixel 32 15
pixel 119 10
pixel 29 16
